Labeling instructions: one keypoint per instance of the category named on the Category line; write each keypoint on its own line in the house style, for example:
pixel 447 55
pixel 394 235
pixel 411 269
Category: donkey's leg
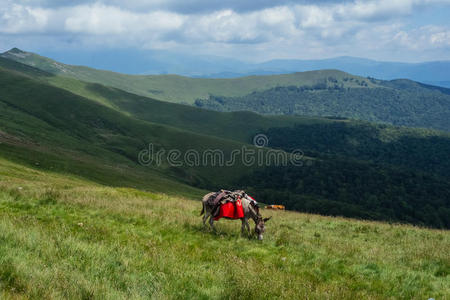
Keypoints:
pixel 206 214
pixel 204 219
pixel 243 226
pixel 211 223
pixel 248 227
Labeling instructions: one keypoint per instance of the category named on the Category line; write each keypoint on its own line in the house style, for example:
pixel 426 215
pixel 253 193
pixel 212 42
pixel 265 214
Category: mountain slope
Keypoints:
pixel 63 237
pixel 240 126
pixel 173 88
pixel 53 121
pixel 316 93
pixel 287 132
pixel 102 139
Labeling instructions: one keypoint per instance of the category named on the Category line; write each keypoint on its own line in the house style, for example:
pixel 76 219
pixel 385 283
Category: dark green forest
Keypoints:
pixel 362 170
pixel 418 149
pixel 355 189
pixel 398 102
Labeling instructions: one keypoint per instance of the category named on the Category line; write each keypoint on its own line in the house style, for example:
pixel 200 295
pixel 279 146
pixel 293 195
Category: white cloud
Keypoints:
pixel 230 27
pixel 375 10
pixel 16 19
pixel 101 19
pixel 288 30
pixel 440 37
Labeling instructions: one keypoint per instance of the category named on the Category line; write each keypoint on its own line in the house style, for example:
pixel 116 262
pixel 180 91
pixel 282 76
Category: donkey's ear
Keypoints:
pixel 267 219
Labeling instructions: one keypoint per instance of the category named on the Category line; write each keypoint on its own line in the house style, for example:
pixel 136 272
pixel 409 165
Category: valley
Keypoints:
pixel 98 132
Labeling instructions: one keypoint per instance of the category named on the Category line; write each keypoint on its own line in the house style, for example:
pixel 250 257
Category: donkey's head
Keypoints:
pixel 260 227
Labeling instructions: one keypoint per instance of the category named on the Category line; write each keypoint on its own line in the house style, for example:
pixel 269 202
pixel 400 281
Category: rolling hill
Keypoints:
pixel 314 93
pixel 240 126
pixel 98 133
pixel 64 128
pixel 172 88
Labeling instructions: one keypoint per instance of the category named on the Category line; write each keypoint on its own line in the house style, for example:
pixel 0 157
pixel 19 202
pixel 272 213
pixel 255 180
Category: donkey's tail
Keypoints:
pixel 203 209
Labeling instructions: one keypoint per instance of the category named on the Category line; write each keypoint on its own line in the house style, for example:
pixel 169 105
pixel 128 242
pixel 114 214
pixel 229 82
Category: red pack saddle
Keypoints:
pixel 231 210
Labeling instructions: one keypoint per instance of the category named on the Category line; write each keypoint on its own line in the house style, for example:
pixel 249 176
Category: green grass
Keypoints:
pixel 64 237
pixel 97 169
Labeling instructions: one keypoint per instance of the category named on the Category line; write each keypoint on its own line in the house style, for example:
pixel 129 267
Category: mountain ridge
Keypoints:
pixel 163 62
pixel 172 87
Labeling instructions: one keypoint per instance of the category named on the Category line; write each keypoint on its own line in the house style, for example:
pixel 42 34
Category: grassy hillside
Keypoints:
pixel 63 237
pixel 237 126
pixel 240 126
pixel 46 119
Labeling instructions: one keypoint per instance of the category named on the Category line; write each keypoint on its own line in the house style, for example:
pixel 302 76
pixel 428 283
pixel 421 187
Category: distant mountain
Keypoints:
pixel 138 62
pixel 436 73
pixel 166 62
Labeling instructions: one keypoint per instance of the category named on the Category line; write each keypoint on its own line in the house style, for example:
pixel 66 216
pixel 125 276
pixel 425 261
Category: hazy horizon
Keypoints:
pixel 61 56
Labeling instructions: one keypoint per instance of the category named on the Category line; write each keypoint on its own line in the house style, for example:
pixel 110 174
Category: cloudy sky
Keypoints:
pixel 252 30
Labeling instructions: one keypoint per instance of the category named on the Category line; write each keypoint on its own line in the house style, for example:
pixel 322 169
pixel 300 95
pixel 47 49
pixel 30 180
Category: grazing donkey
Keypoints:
pixel 251 211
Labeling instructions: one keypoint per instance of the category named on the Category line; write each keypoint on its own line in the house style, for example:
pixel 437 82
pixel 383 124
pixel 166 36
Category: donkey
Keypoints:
pixel 250 212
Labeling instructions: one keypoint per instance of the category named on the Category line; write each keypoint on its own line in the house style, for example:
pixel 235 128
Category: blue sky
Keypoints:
pixel 248 30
